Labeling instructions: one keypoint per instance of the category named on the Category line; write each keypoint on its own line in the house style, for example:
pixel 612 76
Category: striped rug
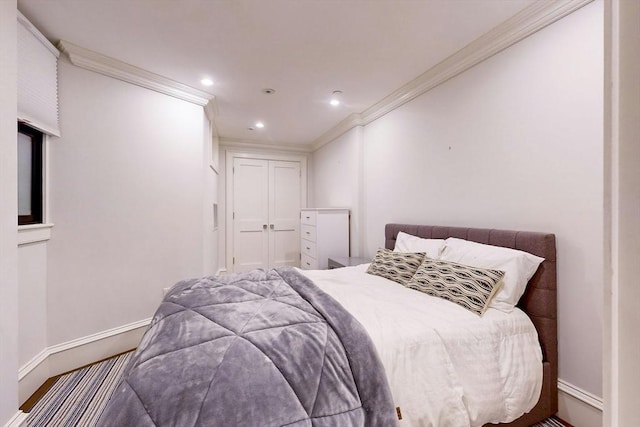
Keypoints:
pixel 551 422
pixel 78 398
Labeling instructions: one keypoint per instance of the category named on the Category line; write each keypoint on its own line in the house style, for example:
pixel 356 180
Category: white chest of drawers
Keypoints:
pixel 324 233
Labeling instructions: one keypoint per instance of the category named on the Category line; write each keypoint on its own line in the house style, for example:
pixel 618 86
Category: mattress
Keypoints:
pixel 445 365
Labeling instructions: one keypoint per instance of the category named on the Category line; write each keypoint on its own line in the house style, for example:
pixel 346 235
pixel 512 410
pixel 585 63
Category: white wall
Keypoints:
pixel 160 144
pixel 126 200
pixel 8 214
pixel 32 316
pixel 515 143
pixel 622 151
pixel 32 276
pixel 337 168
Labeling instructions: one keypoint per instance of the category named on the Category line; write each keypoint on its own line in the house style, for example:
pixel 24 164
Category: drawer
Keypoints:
pixel 309 248
pixel 308 263
pixel 308 217
pixel 308 232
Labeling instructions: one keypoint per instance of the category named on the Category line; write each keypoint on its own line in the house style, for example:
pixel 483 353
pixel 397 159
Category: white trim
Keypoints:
pixel 248 144
pixel 520 26
pixel 32 364
pixel 98 336
pixel 17 419
pixel 211 111
pixel 46 179
pixel 622 67
pixel 213 142
pixel 580 394
pixel 34 233
pixel 354 120
pixel 112 67
pixel 328 210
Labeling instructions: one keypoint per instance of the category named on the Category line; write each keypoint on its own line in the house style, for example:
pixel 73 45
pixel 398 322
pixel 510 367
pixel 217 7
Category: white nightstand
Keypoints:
pixel 324 233
pixel 346 262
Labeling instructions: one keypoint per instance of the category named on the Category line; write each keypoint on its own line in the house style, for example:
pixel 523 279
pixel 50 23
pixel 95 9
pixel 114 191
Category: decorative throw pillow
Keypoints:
pixel 470 287
pixel 409 243
pixel 395 266
pixel 519 267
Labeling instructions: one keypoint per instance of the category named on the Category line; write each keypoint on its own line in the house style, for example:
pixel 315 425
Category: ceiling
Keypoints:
pixel 304 49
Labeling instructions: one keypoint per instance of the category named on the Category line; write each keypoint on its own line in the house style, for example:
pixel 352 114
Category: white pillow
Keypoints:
pixel 409 243
pixel 518 266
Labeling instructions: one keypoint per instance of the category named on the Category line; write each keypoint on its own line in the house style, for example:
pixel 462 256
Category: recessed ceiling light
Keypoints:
pixel 259 125
pixel 335 98
pixel 206 82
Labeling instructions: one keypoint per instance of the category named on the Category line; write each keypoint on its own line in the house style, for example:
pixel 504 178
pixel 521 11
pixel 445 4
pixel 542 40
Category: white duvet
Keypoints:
pixel 446 366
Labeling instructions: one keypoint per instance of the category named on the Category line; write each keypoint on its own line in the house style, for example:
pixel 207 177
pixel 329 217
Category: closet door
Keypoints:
pixel 266 211
pixel 251 214
pixel 284 213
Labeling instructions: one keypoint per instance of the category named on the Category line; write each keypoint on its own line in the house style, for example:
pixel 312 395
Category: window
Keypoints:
pixel 30 194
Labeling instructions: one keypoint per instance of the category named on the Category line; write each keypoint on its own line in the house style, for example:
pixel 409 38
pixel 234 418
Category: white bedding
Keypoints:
pixel 446 366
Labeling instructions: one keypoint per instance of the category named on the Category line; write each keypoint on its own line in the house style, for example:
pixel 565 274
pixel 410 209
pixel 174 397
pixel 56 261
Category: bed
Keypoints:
pixel 539 301
pixel 277 348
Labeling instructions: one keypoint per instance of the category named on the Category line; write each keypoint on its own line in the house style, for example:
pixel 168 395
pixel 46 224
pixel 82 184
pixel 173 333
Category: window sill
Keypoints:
pixel 34 233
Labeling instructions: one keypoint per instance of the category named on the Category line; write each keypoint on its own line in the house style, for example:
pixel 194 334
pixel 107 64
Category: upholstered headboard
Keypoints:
pixel 539 300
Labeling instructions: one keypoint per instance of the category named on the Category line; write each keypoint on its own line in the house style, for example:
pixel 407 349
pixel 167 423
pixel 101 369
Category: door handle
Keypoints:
pixel 264 226
pixel 271 226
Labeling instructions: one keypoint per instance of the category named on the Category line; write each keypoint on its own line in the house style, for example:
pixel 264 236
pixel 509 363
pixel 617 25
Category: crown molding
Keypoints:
pixel 523 24
pixel 344 126
pixel 249 144
pixel 111 67
pixel 211 112
pixel 211 109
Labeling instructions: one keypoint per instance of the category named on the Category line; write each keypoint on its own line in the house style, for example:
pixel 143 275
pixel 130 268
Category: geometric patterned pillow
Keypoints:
pixel 396 266
pixel 470 287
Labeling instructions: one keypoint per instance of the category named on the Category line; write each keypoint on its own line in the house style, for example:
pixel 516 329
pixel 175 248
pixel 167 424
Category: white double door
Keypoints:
pixel 266 213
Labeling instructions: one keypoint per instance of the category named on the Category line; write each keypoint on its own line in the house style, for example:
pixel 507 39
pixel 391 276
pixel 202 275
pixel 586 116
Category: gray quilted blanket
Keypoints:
pixel 262 348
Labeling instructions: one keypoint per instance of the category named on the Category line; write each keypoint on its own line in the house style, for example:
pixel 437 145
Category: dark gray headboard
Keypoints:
pixel 539 300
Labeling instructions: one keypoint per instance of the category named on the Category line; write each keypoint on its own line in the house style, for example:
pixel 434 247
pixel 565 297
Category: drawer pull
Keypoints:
pixel 309 264
pixel 307 232
pixel 308 248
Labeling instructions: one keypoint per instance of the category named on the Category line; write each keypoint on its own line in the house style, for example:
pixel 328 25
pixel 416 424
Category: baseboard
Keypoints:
pixel 32 364
pixel 98 336
pixel 16 420
pixel 579 407
pixel 32 375
pixel 79 352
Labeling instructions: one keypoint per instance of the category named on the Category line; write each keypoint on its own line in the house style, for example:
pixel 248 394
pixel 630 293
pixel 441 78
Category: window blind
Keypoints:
pixel 37 79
